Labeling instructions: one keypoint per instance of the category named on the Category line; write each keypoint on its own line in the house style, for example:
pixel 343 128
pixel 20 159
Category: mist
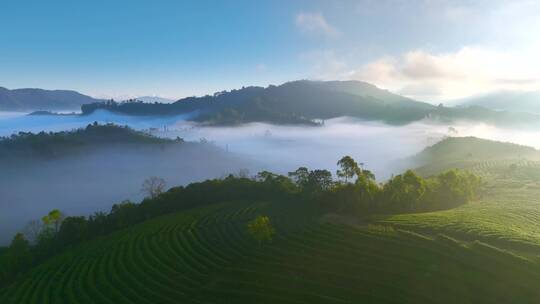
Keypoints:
pixel 95 180
pixel 83 184
pixel 12 122
pixel 380 147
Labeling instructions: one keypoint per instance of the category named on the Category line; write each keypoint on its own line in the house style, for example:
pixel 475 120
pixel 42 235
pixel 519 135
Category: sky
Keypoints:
pixel 429 50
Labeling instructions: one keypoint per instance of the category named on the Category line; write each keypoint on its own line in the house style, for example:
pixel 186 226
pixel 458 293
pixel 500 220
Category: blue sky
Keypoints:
pixel 430 50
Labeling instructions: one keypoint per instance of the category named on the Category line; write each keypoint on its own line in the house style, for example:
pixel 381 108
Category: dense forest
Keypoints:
pixel 354 193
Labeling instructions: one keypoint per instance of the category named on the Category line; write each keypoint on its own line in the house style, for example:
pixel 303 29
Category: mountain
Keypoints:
pixel 292 102
pixel 324 100
pixel 39 99
pixel 506 100
pixel 364 89
pixel 306 102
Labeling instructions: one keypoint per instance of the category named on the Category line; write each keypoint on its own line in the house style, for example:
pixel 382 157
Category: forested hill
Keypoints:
pixel 292 102
pixel 53 144
pixel 44 100
pixel 304 101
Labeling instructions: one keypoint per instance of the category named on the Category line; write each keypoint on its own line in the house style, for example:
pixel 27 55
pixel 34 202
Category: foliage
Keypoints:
pixel 349 168
pixel 261 229
pixel 18 253
pixel 74 229
pixel 361 197
pixel 54 144
pixel 53 219
pixel 204 255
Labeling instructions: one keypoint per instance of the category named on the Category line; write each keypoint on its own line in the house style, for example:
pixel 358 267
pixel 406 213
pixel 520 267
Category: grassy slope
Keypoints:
pixel 205 256
pixel 484 252
pixel 508 213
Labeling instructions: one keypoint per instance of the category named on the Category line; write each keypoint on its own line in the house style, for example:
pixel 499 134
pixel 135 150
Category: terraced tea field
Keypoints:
pixel 206 256
pixel 507 214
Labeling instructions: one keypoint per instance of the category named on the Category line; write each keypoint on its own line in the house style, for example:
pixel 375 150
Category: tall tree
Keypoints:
pixel 53 219
pixel 300 176
pixel 348 168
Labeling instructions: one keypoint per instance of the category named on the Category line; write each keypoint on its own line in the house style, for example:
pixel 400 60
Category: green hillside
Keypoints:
pixel 507 213
pixel 466 152
pixel 206 256
pixel 331 244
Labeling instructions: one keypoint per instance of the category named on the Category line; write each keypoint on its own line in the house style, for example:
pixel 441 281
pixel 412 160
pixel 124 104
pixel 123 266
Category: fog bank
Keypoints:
pixel 96 180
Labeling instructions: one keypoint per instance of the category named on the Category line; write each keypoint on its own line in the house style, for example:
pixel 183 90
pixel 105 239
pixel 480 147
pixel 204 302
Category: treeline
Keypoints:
pixel 48 144
pixel 355 192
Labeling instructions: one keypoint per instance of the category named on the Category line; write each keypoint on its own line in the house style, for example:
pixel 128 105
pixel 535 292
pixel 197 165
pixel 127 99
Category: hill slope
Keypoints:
pixel 39 99
pixel 303 101
pixel 205 256
pixel 54 144
pixel 464 152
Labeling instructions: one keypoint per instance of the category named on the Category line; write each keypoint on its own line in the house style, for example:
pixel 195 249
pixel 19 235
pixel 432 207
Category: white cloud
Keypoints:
pixel 315 24
pixel 439 76
pixel 470 70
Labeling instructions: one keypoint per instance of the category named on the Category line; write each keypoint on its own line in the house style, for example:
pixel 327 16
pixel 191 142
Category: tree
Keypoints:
pixel 320 180
pixel 19 253
pixel 98 223
pixel 53 219
pixel 404 192
pixel 457 187
pixel 266 176
pixel 73 230
pixel 261 229
pixel 300 176
pixel 124 214
pixel 153 186
pixel 349 167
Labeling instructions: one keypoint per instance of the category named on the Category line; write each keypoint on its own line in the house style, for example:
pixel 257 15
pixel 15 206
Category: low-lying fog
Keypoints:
pixel 94 180
pixel 85 184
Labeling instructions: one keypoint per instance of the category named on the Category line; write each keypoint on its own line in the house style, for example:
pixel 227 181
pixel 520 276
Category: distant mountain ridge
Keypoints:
pixel 528 101
pixel 292 102
pixel 296 102
pixel 45 100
